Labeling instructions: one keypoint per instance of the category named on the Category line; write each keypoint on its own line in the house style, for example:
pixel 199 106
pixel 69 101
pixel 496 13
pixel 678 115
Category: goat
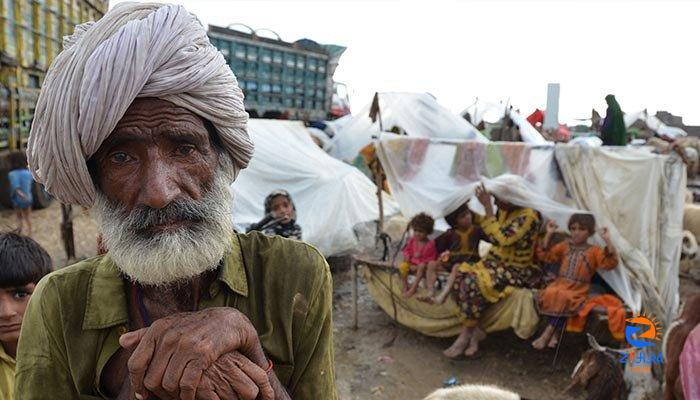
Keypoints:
pixel 599 373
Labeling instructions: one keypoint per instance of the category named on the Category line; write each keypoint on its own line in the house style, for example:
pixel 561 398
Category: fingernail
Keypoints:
pixel 138 396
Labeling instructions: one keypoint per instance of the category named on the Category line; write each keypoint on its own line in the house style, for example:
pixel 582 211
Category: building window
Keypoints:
pixel 289 60
pixel 277 57
pixel 34 81
pixel 252 85
pixel 241 84
pixel 252 54
pixel 300 62
pixel 239 51
pixel 266 55
pixel 265 88
pixel 312 64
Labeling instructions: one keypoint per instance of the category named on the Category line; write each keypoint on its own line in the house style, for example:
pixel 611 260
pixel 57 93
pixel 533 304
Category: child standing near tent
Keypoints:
pixel 579 262
pixel 21 191
pixel 280 216
pixel 419 251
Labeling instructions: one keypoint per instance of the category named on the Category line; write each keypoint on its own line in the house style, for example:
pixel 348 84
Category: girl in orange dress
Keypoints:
pixel 578 261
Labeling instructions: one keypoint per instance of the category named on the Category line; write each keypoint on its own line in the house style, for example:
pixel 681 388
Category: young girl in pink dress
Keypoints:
pixel 419 251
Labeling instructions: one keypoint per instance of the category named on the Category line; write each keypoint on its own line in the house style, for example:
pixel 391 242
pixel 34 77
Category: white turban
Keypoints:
pixel 135 50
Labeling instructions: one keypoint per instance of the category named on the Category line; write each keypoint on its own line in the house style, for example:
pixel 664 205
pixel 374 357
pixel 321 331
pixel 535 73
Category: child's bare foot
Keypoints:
pixel 459 345
pixel 426 299
pixel 540 343
pixel 477 336
pixel 442 297
pixel 553 341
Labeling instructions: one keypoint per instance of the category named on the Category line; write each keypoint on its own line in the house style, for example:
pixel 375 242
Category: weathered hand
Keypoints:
pixel 233 376
pixel 172 355
pixel 551 226
pixel 605 234
pixel 483 195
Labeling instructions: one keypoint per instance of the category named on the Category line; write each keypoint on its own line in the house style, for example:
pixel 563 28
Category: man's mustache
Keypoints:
pixel 144 218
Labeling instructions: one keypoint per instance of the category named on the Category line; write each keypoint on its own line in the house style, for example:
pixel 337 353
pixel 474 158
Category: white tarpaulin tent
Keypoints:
pixel 493 112
pixel 633 192
pixel 654 123
pixel 330 196
pixel 418 114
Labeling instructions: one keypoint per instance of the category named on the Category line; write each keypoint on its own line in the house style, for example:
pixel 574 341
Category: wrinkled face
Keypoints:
pixel 579 235
pixel 157 153
pixel 420 235
pixel 13 302
pixel 282 208
pixel 163 201
pixel 464 221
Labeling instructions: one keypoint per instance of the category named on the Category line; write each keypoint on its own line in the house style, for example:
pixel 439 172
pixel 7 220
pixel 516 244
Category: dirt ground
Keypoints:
pixel 368 364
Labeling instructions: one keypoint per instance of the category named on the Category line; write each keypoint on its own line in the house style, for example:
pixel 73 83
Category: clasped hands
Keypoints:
pixel 206 355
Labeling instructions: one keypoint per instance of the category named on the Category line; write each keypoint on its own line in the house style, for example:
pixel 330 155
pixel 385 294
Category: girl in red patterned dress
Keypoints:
pixel 579 261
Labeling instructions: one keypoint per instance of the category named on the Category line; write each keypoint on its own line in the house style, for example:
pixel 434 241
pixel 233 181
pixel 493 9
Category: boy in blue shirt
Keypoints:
pixel 21 191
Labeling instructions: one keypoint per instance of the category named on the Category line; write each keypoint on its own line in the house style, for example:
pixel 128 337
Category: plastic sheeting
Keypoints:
pixel 633 192
pixel 418 114
pixel 654 123
pixel 330 196
pixel 493 112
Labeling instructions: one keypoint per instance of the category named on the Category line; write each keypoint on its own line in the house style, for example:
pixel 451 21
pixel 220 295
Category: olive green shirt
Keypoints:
pixel 7 375
pixel 76 315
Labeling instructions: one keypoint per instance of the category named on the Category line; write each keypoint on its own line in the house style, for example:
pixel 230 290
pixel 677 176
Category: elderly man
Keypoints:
pixel 141 119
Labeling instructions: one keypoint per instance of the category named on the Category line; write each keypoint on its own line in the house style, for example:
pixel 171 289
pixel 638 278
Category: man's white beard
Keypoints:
pixel 161 258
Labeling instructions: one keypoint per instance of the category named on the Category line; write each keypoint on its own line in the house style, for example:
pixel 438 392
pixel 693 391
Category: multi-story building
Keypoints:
pixel 31 35
pixel 278 77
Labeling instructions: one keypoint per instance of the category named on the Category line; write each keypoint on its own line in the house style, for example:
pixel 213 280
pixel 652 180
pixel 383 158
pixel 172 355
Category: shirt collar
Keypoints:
pixel 233 274
pixel 6 357
pixel 106 298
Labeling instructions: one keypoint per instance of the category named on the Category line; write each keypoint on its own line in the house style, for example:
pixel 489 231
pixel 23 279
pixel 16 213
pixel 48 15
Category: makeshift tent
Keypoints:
pixel 416 114
pixel 493 112
pixel 330 196
pixel 654 124
pixel 633 192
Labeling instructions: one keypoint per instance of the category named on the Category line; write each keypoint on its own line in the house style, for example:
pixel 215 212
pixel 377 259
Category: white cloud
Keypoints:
pixel 643 52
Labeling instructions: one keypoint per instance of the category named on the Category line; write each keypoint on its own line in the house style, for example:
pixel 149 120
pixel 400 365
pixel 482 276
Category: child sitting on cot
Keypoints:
pixel 457 245
pixel 22 264
pixel 578 261
pixel 419 251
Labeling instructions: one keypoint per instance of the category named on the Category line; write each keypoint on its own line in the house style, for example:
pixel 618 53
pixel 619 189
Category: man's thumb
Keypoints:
pixel 130 340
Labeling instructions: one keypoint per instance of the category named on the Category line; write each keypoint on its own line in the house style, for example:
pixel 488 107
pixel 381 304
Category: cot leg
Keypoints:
pixel 353 271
